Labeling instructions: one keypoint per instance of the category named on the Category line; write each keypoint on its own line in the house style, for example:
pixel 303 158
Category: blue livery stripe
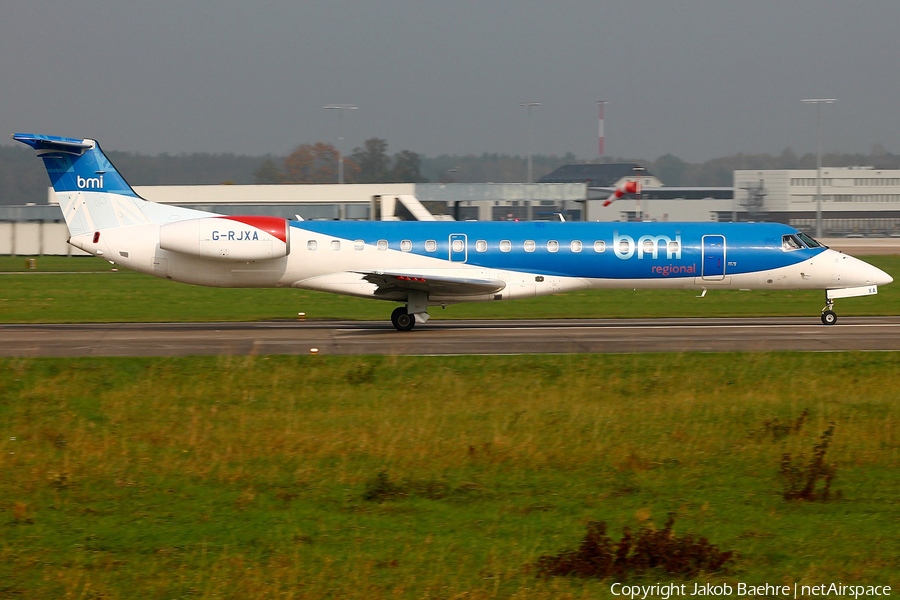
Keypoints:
pixel 623 250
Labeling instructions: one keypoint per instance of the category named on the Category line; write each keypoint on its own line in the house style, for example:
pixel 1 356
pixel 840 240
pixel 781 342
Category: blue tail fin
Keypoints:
pixel 91 193
pixel 76 165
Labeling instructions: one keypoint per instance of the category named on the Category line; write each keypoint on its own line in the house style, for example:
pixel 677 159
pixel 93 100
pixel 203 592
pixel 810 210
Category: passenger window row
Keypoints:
pixel 458 246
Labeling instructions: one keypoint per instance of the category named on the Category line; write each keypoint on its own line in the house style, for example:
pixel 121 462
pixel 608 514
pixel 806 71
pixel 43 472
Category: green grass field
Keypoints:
pixel 245 477
pixel 127 296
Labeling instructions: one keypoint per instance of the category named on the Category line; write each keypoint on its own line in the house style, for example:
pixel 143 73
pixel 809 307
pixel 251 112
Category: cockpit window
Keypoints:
pixel 790 242
pixel 809 241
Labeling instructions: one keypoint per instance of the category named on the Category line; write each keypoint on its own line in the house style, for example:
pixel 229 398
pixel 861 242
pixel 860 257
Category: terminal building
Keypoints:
pixel 856 202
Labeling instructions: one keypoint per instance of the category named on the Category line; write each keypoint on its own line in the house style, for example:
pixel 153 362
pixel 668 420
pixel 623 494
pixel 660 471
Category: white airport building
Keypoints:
pixel 856 201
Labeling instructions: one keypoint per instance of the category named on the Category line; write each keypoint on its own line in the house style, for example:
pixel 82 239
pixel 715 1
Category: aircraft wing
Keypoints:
pixel 442 286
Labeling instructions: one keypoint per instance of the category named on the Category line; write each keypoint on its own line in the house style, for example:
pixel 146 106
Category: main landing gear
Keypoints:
pixel 404 317
pixel 402 320
pixel 829 317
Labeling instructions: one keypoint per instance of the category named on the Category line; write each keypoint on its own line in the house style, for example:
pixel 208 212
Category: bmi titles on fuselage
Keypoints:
pixel 624 246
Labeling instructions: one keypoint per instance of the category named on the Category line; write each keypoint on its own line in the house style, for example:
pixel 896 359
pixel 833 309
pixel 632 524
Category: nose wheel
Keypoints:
pixel 402 320
pixel 829 317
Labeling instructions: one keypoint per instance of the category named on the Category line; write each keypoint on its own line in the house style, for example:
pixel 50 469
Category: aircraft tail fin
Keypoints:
pixel 92 194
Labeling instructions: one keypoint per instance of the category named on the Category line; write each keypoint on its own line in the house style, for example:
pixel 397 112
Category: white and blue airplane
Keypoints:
pixel 425 264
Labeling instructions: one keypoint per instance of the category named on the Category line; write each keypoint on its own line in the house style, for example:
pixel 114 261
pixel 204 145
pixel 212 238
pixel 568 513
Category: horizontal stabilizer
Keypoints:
pixel 439 286
pixel 53 143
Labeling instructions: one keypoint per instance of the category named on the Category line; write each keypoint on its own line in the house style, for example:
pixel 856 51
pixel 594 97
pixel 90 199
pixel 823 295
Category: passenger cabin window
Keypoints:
pixel 576 246
pixel 790 243
pixel 529 245
pixel 457 246
pixel 405 245
pixel 505 245
pixel 673 247
pixel 481 246
pixel 335 244
pixel 430 246
pixel 359 245
pixel 382 244
pixel 311 245
pixel 599 246
pixel 552 246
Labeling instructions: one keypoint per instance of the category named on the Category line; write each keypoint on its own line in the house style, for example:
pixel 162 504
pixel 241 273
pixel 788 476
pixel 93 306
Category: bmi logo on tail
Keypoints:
pixel 90 183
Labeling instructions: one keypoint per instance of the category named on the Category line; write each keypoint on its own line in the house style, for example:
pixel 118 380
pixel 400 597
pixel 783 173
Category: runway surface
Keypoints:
pixel 451 337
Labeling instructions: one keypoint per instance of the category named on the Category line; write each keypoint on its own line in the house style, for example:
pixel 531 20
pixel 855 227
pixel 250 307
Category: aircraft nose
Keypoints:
pixel 853 271
pixel 874 275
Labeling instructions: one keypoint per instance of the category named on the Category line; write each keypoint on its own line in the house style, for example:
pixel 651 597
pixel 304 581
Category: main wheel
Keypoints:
pixel 402 320
pixel 828 317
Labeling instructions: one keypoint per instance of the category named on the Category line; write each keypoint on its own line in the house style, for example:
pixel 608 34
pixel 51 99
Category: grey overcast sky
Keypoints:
pixel 697 78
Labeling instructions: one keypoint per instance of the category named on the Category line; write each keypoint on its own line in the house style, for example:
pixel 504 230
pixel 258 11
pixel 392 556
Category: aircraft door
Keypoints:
pixel 713 257
pixel 459 251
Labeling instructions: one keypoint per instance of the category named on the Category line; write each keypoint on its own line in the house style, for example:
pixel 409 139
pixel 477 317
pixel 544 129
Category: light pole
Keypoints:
pixel 638 173
pixel 601 103
pixel 529 106
pixel 341 108
pixel 819 102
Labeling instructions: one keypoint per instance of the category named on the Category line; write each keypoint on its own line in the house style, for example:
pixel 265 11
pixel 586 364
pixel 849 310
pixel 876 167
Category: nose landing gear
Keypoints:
pixel 829 317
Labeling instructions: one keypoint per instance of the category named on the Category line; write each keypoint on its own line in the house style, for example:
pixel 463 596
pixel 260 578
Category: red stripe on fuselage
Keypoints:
pixel 275 226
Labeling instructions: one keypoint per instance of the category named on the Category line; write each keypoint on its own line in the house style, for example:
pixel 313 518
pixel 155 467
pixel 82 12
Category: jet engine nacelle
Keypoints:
pixel 228 238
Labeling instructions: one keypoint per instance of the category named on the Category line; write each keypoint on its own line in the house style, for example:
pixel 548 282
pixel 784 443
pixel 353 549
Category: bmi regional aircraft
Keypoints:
pixel 425 264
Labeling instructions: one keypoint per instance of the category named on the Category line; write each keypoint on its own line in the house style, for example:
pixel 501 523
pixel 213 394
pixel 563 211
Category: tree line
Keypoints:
pixel 319 163
pixel 23 178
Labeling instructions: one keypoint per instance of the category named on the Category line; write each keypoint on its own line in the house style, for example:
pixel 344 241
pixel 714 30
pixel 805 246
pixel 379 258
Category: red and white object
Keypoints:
pixel 242 238
pixel 629 187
